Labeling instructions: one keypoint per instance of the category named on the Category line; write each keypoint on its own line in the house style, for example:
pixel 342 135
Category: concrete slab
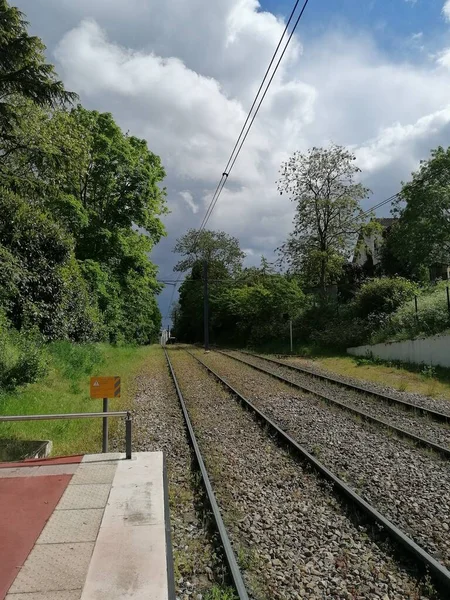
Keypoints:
pixel 138 572
pixel 103 535
pixel 94 473
pixel 79 525
pixel 52 567
pixel 134 523
pixel 25 506
pixel 94 495
pixel 59 595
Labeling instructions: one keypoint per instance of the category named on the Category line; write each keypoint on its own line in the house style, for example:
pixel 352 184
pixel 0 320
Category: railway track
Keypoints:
pixel 233 568
pixel 438 572
pixel 351 407
pixel 435 415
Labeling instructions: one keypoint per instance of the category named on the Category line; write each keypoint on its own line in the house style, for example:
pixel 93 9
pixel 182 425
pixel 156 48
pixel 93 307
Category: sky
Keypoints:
pixel 372 75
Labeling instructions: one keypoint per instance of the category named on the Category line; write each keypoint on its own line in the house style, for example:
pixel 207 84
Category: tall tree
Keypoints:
pixel 422 234
pixel 322 183
pixel 24 74
pixel 216 247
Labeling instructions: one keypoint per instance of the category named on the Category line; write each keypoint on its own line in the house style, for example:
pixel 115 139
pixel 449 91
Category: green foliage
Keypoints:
pixel 327 215
pixel 23 70
pixel 22 356
pixel 75 360
pixel 383 295
pixel 252 311
pixel 422 236
pixel 432 317
pixel 216 247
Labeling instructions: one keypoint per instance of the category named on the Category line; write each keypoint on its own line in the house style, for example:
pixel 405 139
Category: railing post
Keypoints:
pixel 128 436
pixel 105 426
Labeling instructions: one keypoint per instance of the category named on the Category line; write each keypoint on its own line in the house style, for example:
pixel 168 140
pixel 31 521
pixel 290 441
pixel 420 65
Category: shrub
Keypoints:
pixel 432 317
pixel 23 358
pixel 75 360
pixel 383 296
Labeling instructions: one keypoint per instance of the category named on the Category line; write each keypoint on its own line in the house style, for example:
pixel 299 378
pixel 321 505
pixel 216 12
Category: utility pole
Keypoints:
pixel 205 305
pixel 290 335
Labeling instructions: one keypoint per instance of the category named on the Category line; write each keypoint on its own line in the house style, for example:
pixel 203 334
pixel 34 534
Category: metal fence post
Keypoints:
pixel 128 436
pixel 105 426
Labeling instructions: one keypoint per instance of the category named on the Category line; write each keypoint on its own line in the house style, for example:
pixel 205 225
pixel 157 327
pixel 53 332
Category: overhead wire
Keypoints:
pixel 239 145
pixel 242 137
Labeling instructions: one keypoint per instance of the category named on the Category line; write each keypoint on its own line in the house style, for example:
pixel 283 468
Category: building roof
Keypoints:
pixel 386 221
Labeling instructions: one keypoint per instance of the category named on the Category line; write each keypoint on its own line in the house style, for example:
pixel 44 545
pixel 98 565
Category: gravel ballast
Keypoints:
pixel 414 422
pixel 290 533
pixel 407 486
pixel 438 404
pixel 158 424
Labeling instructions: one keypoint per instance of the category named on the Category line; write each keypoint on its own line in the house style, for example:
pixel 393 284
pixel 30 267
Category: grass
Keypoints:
pixel 433 382
pixel 65 389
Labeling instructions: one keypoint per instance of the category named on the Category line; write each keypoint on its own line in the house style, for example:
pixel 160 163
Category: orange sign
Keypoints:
pixel 105 387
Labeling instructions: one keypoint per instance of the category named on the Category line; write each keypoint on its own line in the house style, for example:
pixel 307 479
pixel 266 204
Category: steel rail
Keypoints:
pixel 435 568
pixel 226 544
pixel 442 450
pixel 433 414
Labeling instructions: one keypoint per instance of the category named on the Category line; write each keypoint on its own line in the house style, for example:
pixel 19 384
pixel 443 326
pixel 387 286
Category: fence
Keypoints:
pixel 118 413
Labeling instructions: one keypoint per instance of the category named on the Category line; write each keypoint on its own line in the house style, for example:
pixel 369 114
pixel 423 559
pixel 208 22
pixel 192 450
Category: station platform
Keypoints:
pixel 85 527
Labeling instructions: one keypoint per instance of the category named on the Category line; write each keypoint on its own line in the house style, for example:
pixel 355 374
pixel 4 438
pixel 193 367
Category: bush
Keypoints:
pixel 432 317
pixel 75 360
pixel 22 356
pixel 383 296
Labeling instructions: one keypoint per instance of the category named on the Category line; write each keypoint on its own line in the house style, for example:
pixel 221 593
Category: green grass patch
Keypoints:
pixel 65 389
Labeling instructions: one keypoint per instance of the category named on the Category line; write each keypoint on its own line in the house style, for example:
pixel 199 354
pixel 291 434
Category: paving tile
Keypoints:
pixel 67 469
pixel 94 473
pixel 17 471
pixel 64 526
pixel 107 457
pixel 59 595
pixel 139 570
pixel 52 567
pixel 94 495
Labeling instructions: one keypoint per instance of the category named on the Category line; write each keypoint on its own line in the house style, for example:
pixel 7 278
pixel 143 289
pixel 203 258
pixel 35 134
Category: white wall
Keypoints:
pixel 430 351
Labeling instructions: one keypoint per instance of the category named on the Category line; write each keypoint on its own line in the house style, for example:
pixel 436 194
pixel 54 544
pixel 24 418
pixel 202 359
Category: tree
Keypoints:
pixel 422 235
pixel 40 279
pixel 24 74
pixel 216 247
pixel 327 215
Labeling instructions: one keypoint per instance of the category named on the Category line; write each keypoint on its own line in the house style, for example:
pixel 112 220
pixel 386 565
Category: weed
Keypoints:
pixel 428 371
pixel 220 593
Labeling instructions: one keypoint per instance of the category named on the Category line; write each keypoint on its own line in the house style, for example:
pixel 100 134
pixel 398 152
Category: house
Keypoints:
pixel 368 249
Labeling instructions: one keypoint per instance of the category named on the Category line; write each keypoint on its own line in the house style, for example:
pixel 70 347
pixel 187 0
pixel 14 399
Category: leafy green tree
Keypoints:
pixel 322 183
pixel 256 311
pixel 42 284
pixel 24 74
pixel 216 247
pixel 422 235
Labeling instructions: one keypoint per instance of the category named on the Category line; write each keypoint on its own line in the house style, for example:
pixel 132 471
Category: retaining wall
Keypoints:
pixel 433 350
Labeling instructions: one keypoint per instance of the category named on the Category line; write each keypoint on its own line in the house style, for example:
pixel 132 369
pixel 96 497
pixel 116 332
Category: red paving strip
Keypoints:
pixel 42 462
pixel 26 504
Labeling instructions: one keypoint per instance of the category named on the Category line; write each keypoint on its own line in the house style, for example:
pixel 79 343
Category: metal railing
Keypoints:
pixel 117 413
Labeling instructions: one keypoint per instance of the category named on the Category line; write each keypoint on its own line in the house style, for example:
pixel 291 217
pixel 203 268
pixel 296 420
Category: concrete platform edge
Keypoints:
pixel 169 552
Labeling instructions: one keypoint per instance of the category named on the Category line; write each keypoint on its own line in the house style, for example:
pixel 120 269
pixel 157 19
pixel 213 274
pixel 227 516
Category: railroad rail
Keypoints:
pixel 230 557
pixel 436 570
pixel 432 414
pixel 423 442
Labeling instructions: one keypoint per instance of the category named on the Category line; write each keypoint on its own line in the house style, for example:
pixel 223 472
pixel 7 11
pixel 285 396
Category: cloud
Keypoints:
pixel 183 74
pixel 188 198
pixel 446 10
